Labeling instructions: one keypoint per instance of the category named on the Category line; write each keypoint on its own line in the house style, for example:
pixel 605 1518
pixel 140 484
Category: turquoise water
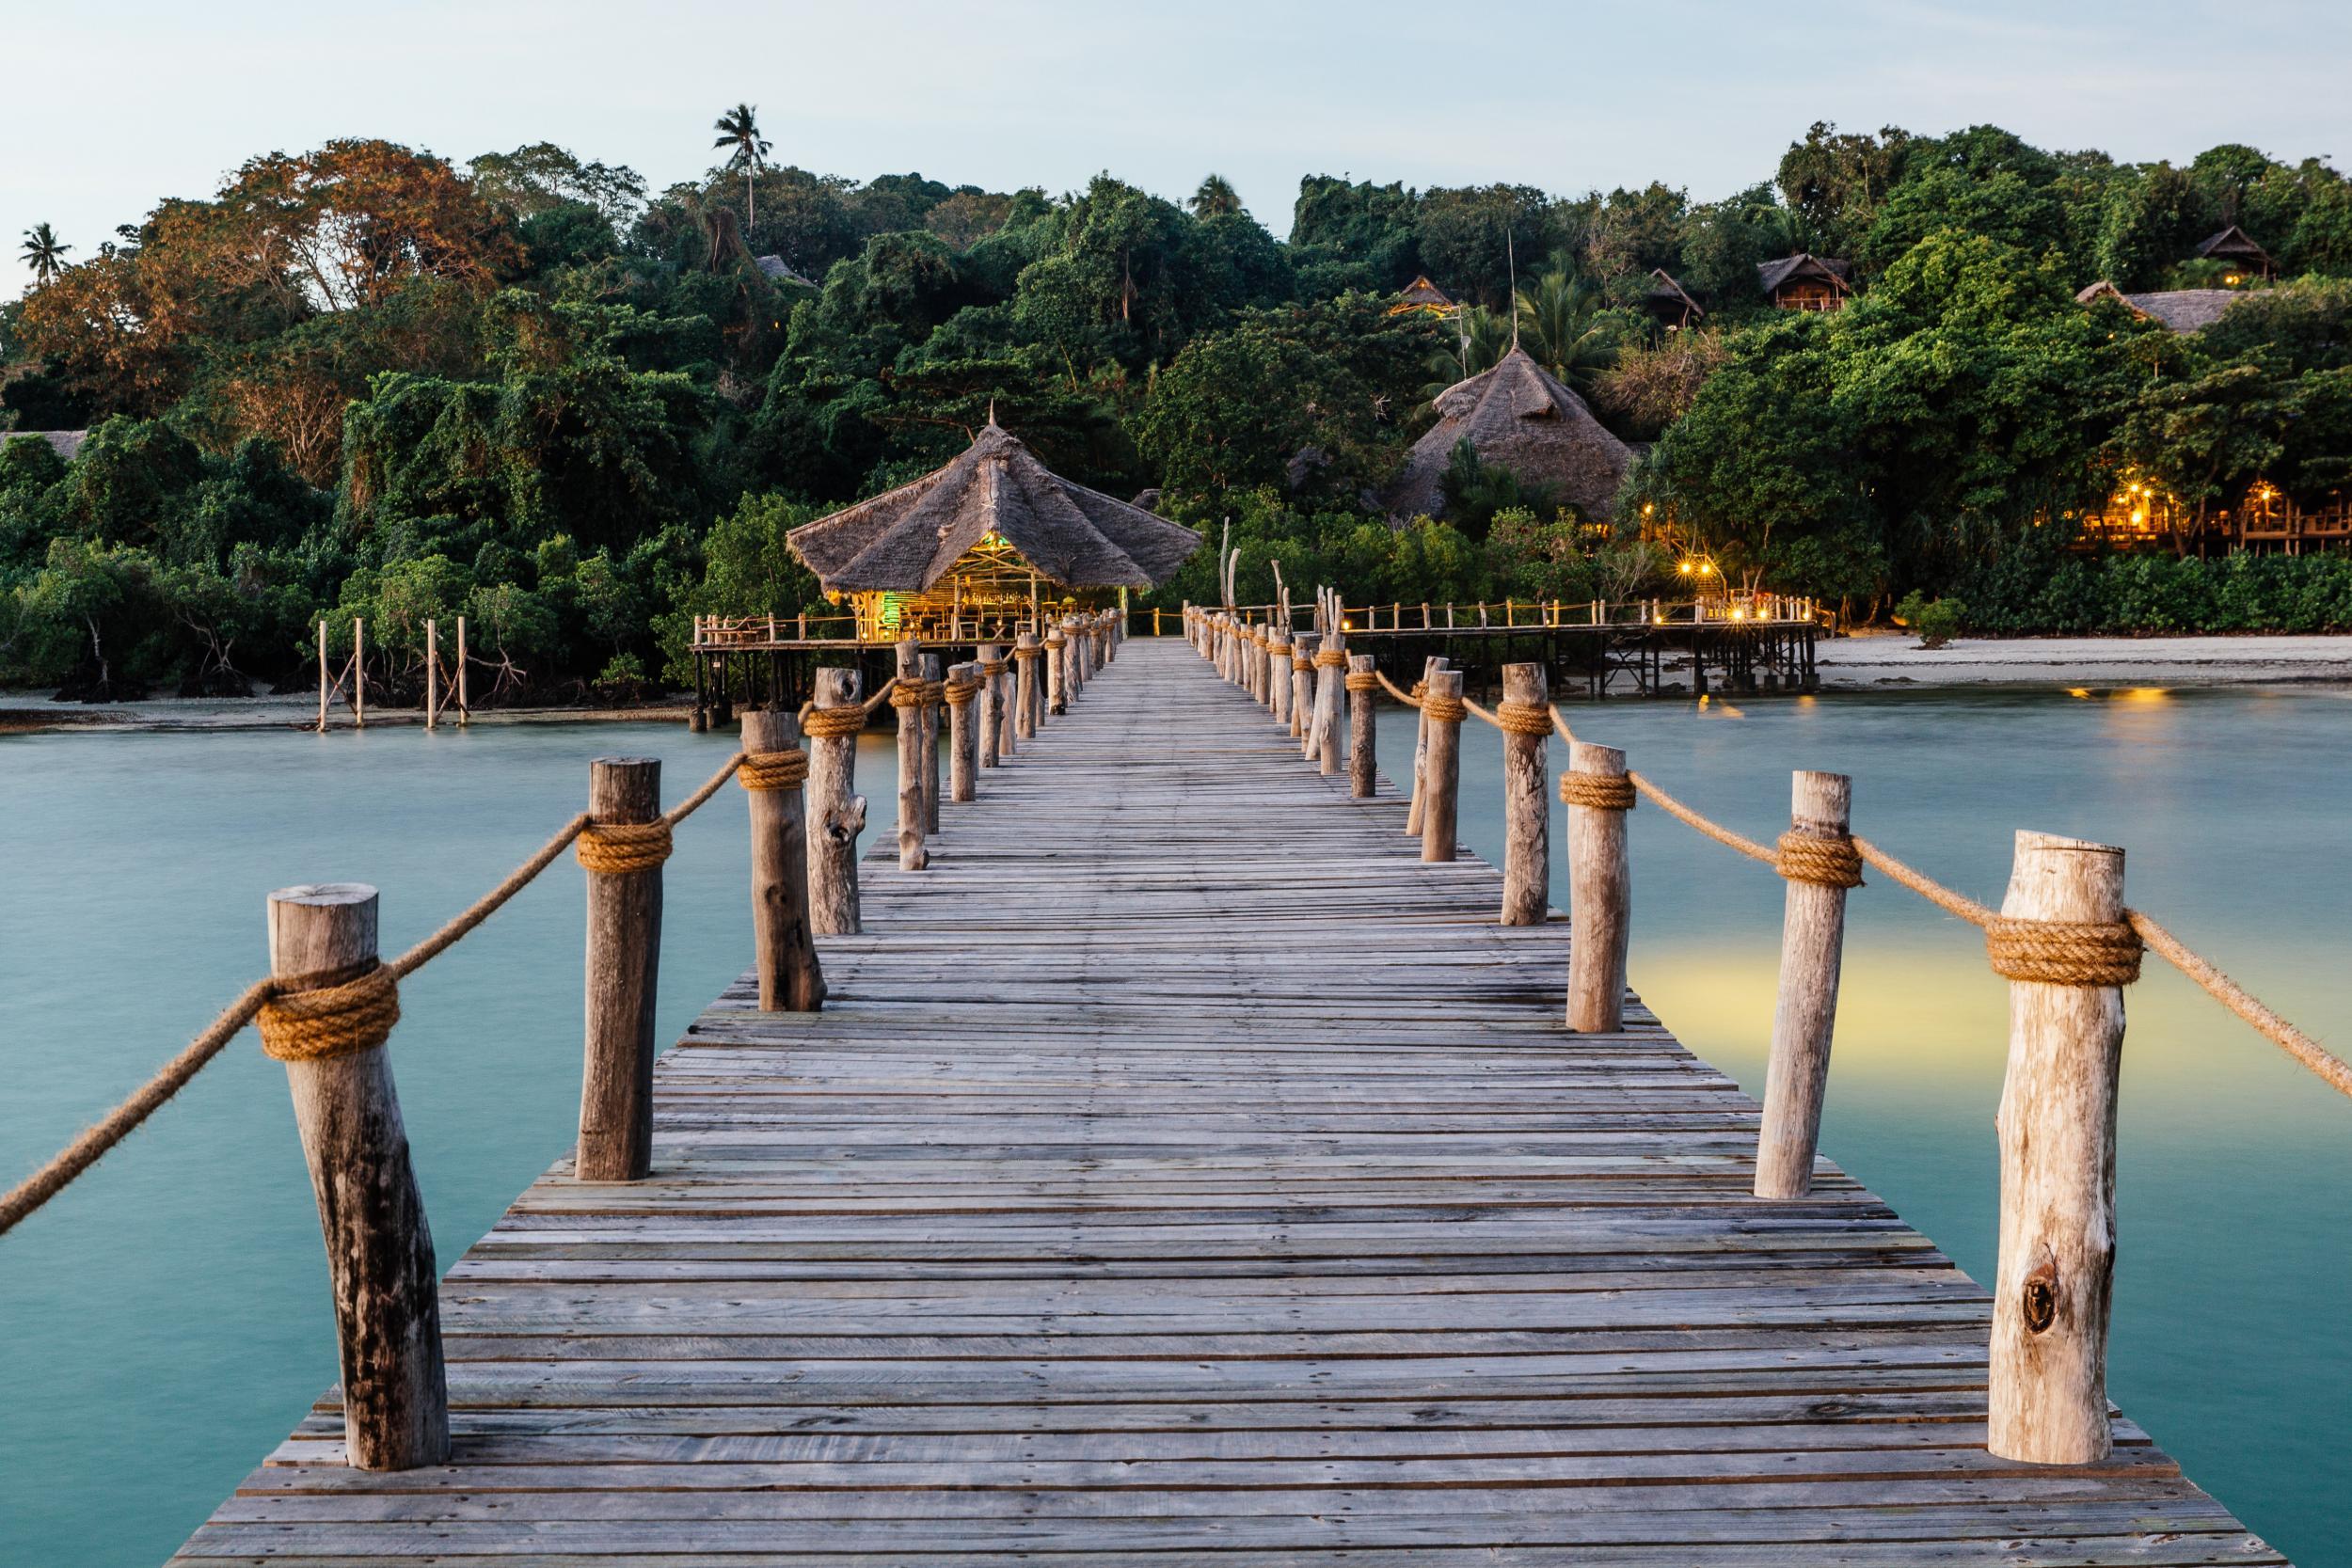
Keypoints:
pixel 165 1323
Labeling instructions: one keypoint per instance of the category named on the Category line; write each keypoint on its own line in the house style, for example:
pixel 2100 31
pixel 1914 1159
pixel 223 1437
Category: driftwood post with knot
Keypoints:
pixel 962 694
pixel 379 1250
pixel 1818 861
pixel 623 968
pixel 2062 945
pixel 1323 748
pixel 930 728
pixel 1441 768
pixel 1363 692
pixel 1025 655
pixel 1057 686
pixel 1429 666
pixel 1074 671
pixel 1526 719
pixel 836 813
pixel 1277 679
pixel 906 702
pixel 1601 885
pixel 774 773
pixel 991 669
pixel 1303 646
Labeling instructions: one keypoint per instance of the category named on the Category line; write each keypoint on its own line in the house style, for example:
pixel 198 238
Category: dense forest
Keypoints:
pixel 367 381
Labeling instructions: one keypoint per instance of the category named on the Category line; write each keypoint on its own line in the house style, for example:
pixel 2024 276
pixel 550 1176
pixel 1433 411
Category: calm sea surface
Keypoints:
pixel 165 1322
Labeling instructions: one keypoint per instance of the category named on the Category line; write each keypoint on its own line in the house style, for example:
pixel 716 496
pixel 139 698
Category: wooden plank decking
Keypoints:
pixel 1185 1174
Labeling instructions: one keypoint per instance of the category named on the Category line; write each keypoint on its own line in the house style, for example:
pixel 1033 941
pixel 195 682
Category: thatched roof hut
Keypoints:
pixel 2180 310
pixel 1517 417
pixel 1806 282
pixel 2236 246
pixel 1669 302
pixel 987 534
pixel 1424 297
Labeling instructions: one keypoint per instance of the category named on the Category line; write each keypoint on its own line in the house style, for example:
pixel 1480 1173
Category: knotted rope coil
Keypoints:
pixel 1057 641
pixel 1330 659
pixel 2063 951
pixel 1302 663
pixel 1278 650
pixel 1362 680
pixel 1523 717
pixel 992 668
pixel 1599 791
pixel 1026 653
pixel 767 770
pixel 1810 858
pixel 960 690
pixel 833 723
pixel 617 847
pixel 1438 709
pixel 906 694
pixel 312 1018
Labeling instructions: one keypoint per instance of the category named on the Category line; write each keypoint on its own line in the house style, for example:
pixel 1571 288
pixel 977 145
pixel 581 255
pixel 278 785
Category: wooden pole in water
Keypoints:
pixel 432 674
pixel 1303 685
pixel 1441 771
pixel 910 813
pixel 379 1250
pixel 624 975
pixel 359 674
pixel 784 951
pixel 1024 656
pixel 465 709
pixel 836 814
pixel 992 661
pixel 962 734
pixel 1600 899
pixel 1429 666
pixel 1812 941
pixel 1526 809
pixel 322 675
pixel 929 724
pixel 2047 1385
pixel 1363 765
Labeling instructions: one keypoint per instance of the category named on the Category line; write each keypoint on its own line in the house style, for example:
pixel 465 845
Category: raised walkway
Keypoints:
pixel 1185 1174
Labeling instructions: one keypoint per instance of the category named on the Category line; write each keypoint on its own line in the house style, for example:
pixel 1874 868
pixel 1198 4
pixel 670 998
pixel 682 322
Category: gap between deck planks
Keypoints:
pixel 1182 1172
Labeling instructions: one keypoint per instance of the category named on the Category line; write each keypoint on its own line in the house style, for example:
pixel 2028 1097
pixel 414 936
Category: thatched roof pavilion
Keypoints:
pixel 2180 310
pixel 1806 282
pixel 986 536
pixel 2235 246
pixel 1519 417
pixel 1424 297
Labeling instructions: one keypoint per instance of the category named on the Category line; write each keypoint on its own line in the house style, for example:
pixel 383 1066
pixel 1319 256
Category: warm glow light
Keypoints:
pixel 1684 568
pixel 1707 568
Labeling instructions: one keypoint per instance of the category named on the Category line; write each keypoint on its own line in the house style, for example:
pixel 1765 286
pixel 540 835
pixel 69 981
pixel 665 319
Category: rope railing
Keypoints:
pixel 331 1019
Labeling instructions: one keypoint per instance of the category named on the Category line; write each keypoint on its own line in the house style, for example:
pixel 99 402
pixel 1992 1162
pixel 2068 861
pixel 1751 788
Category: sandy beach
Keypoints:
pixel 1892 659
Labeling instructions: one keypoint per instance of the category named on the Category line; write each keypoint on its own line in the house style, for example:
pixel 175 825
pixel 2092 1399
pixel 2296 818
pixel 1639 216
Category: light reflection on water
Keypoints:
pixel 166 1323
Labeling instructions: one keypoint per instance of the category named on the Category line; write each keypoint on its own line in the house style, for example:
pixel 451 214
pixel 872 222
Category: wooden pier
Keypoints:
pixel 1183 1171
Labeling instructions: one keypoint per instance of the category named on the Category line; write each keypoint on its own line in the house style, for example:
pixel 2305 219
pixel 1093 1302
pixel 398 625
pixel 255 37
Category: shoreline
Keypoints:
pixel 36 713
pixel 1874 661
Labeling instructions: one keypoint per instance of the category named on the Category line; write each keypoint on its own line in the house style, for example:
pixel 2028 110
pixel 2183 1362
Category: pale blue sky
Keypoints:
pixel 110 108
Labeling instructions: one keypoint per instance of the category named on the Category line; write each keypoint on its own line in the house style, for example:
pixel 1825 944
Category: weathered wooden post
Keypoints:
pixel 1074 657
pixel 623 968
pixel 1278 681
pixel 1057 700
pixel 929 723
pixel 1001 692
pixel 432 674
pixel 1601 885
pixel 465 710
pixel 1429 666
pixel 322 675
pixel 1025 654
pixel 330 1031
pixel 1323 746
pixel 773 772
pixel 906 702
pixel 359 674
pixel 836 814
pixel 991 669
pixel 961 692
pixel 2062 944
pixel 1303 646
pixel 1818 859
pixel 1363 692
pixel 1526 805
pixel 1441 768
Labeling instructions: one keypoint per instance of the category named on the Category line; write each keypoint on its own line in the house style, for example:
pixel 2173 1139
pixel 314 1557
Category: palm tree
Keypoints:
pixel 739 128
pixel 1482 338
pixel 1214 198
pixel 1555 325
pixel 44 252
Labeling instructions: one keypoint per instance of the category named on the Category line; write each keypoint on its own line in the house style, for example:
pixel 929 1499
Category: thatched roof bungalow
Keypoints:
pixel 992 536
pixel 1517 417
pixel 1804 282
pixel 2237 248
pixel 1424 297
pixel 1669 302
pixel 2180 310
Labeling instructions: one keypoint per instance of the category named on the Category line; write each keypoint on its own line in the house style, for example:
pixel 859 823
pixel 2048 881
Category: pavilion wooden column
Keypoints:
pixel 1600 893
pixel 1526 798
pixel 379 1250
pixel 906 702
pixel 623 974
pixel 836 813
pixel 1363 694
pixel 1024 656
pixel 962 695
pixel 783 938
pixel 1441 769
pixel 2047 1381
pixel 991 668
pixel 1804 1016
